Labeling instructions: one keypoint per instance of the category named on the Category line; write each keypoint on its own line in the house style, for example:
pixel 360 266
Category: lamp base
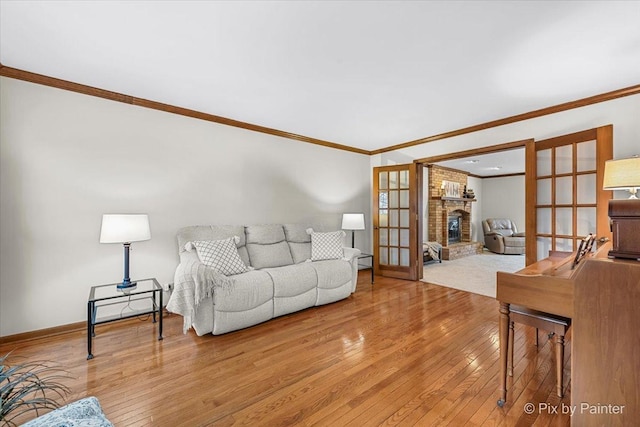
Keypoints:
pixel 126 284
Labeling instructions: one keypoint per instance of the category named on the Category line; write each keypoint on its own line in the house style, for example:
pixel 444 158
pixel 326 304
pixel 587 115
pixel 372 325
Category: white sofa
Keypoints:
pixel 281 277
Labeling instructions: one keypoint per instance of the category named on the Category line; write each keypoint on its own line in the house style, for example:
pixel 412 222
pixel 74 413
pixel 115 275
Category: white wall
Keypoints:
pixel 503 198
pixel 475 184
pixel 68 158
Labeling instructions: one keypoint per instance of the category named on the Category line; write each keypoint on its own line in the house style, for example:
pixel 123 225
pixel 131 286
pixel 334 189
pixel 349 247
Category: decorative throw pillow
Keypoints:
pixel 221 255
pixel 326 245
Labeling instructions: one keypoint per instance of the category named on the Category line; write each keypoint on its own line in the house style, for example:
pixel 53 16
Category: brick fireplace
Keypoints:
pixel 450 216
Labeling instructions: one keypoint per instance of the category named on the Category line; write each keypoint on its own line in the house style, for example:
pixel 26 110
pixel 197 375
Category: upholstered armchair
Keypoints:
pixel 501 236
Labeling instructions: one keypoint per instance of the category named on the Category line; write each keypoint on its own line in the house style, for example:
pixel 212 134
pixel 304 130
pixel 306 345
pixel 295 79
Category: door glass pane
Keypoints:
pixel 393 179
pixel 393 237
pixel 586 221
pixel 565 245
pixel 404 237
pixel 404 179
pixel 383 218
pixel 564 190
pixel 393 256
pixel 586 156
pixel 384 255
pixel 383 180
pixel 393 217
pixel 404 198
pixel 564 159
pixel 543 221
pixel 586 191
pixel 384 236
pixel 564 221
pixel 543 161
pixel 404 257
pixel 544 246
pixel 393 199
pixel 404 217
pixel 544 191
pixel 383 200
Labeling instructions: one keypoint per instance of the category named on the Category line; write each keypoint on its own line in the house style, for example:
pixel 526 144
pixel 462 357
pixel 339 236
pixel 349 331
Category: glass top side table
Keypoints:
pixel 108 295
pixel 366 266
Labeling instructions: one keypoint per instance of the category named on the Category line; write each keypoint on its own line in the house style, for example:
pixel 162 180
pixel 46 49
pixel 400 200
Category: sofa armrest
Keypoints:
pixel 193 282
pixel 492 233
pixel 495 243
pixel 351 253
pixel 518 234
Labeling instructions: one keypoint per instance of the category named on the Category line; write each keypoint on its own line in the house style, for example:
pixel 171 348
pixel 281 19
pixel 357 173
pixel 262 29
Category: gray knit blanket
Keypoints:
pixel 194 282
pixel 433 249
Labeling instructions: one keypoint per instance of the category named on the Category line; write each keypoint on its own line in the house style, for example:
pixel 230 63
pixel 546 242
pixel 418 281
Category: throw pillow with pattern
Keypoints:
pixel 221 255
pixel 326 245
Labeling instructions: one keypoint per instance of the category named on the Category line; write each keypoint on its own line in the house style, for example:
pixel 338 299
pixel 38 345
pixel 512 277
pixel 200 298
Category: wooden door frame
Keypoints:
pixel 425 161
pixel 414 273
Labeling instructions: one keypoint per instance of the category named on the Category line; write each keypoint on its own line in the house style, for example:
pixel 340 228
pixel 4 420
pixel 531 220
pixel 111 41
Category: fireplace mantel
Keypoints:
pixel 445 200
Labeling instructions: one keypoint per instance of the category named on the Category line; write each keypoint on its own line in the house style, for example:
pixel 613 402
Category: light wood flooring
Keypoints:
pixel 395 353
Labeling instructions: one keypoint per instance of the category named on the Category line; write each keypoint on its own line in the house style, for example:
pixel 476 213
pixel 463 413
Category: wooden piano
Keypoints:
pixel 602 297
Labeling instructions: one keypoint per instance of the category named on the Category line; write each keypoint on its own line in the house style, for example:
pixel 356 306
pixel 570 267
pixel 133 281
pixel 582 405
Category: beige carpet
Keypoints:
pixel 476 273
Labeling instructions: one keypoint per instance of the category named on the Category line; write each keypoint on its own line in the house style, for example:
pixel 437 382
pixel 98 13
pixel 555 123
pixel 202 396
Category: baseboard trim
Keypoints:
pixel 43 333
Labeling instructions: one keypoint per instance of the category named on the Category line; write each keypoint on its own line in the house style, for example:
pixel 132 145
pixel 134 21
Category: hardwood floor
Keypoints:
pixel 395 353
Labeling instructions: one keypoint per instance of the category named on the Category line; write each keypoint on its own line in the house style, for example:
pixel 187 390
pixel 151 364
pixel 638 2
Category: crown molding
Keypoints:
pixel 608 96
pixel 41 79
pixel 114 96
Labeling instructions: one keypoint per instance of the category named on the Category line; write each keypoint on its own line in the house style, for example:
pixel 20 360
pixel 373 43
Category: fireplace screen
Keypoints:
pixel 455 229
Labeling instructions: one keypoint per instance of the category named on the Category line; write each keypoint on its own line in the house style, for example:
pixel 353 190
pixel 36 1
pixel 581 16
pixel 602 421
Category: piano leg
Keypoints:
pixel 504 351
pixel 510 349
pixel 559 365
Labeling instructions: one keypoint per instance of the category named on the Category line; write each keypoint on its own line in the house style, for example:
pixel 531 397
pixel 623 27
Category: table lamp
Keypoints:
pixel 353 221
pixel 125 228
pixel 624 174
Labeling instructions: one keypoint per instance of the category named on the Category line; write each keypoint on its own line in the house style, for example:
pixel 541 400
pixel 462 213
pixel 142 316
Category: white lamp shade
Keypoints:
pixel 621 174
pixel 353 221
pixel 124 228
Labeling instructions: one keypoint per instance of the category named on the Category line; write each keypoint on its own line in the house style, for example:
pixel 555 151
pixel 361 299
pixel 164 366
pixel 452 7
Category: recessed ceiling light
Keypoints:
pixel 472 161
pixel 495 168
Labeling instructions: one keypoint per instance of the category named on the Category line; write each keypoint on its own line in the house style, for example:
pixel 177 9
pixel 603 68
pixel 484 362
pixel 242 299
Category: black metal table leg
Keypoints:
pixel 160 314
pixel 372 268
pixel 153 296
pixel 89 329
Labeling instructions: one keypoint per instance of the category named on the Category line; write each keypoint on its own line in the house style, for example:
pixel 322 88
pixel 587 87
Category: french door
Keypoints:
pixel 395 221
pixel 564 196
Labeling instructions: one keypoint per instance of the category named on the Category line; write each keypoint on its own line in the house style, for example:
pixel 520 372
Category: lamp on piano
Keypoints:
pixel 624 174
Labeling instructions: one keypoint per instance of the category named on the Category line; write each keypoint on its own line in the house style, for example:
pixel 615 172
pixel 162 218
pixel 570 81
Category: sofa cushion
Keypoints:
pixel 299 242
pixel 518 242
pixel 250 290
pixel 267 247
pixel 264 234
pixel 326 245
pixel 221 255
pixel 296 233
pixel 293 280
pixel 265 256
pixel 300 252
pixel 501 226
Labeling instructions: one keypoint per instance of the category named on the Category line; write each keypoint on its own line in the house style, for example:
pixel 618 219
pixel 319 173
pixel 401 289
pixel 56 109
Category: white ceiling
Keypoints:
pixel 491 164
pixel 363 74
